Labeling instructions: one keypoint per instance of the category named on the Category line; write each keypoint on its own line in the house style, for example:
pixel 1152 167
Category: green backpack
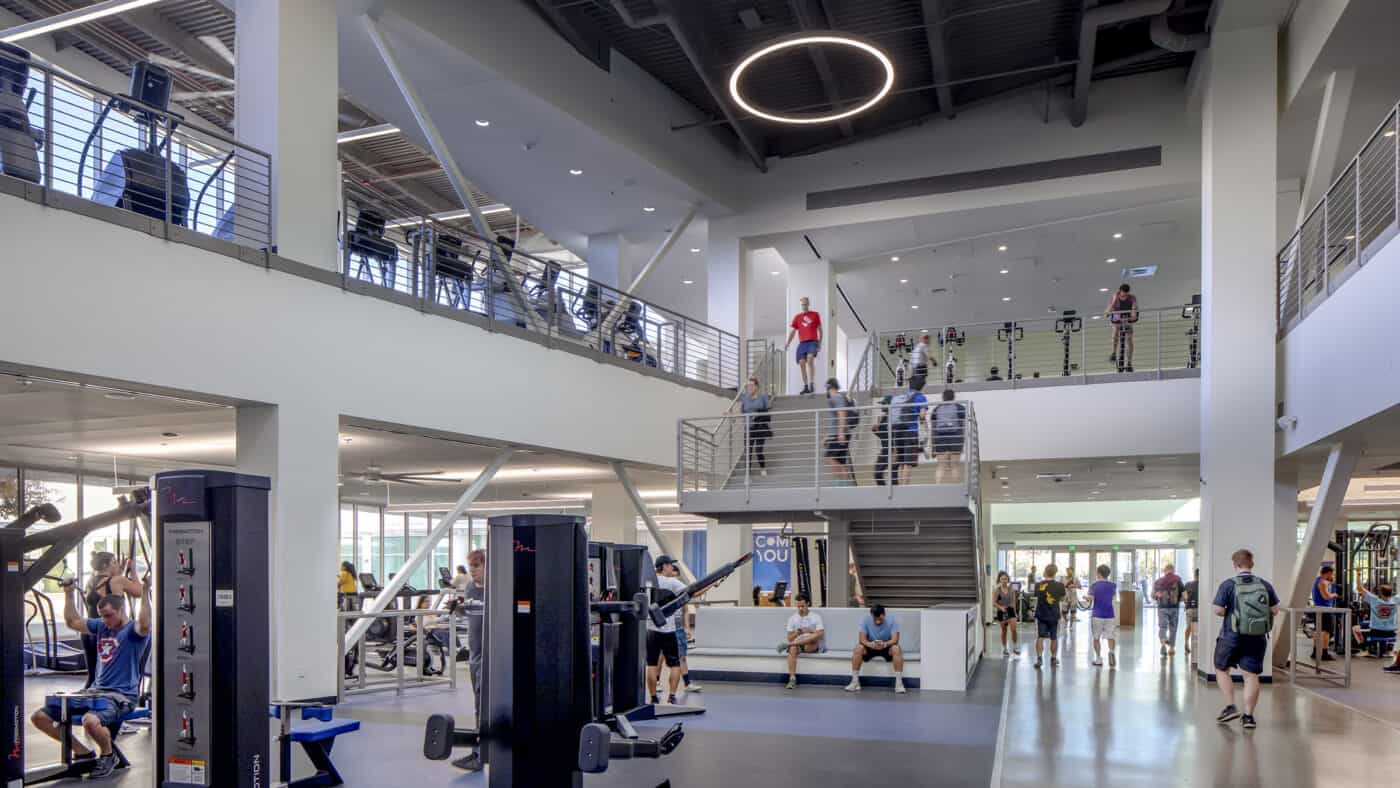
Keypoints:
pixel 1252 615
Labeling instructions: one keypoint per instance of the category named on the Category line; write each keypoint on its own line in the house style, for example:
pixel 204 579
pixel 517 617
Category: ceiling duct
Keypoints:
pixel 1094 19
pixel 1160 30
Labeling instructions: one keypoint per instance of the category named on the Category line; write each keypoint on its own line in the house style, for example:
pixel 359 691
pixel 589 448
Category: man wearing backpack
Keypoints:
pixel 949 419
pixel 1166 592
pixel 1248 605
pixel 843 417
pixel 907 411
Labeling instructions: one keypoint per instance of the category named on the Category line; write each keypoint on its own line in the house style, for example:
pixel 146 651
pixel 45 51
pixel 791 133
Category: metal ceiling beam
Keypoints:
pixel 429 200
pixel 685 26
pixel 938 54
pixel 156 25
pixel 812 15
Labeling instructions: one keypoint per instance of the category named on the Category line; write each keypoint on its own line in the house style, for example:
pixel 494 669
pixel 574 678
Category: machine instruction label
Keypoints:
pixel 184 770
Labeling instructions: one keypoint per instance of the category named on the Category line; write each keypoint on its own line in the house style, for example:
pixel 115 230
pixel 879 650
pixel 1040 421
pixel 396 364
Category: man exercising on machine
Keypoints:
pixel 661 641
pixel 120 644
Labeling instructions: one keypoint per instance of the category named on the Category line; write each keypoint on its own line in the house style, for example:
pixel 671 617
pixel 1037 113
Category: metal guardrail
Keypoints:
pixel 393 653
pixel 385 245
pixel 1354 219
pixel 77 139
pixel 808 449
pixel 1016 352
pixel 1312 666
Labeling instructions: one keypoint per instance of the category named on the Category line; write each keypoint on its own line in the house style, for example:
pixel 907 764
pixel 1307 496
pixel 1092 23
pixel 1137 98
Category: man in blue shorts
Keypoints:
pixel 120 645
pixel 1248 605
pixel 807 327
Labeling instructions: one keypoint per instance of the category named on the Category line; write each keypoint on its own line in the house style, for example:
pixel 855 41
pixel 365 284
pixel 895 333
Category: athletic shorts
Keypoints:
pixel 109 707
pixel 663 644
pixel 1246 653
pixel 906 447
pixel 1103 628
pixel 682 645
pixel 871 653
pixel 808 349
pixel 1124 327
pixel 1005 615
pixel 947 444
pixel 838 450
pixel 1047 628
pixel 1193 615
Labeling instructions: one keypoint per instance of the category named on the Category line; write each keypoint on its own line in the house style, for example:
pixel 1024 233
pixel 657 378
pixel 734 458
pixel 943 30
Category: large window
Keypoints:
pixel 347 534
pixel 395 545
pixel 371 541
pixel 417 535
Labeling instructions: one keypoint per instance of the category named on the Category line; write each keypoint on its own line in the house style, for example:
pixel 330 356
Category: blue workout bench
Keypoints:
pixel 316 741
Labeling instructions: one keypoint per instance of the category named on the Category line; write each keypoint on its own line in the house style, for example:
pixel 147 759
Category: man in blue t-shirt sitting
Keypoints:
pixel 878 637
pixel 121 643
pixel 1244 602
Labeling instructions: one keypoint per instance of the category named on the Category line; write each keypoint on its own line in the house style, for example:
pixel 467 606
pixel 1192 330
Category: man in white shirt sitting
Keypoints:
pixel 804 634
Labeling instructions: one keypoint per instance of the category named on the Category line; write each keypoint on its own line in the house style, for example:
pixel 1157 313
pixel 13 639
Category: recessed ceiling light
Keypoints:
pixel 904 281
pixel 1117 236
pixel 914 306
pixel 1001 248
pixel 1006 270
pixel 776 273
pixel 575 172
pixel 894 259
pixel 687 281
pixel 925 330
pixel 1122 462
pixel 1103 289
pixel 116 395
pixel 648 209
pixel 695 250
pixel 1006 298
pixel 1111 260
pixel 483 123
pixel 1097 317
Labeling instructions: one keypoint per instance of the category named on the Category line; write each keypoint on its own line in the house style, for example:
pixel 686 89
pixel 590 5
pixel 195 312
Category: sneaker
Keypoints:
pixel 1227 714
pixel 1129 368
pixel 1164 649
pixel 1112 357
pixel 694 687
pixel 1054 662
pixel 1171 652
pixel 1037 663
pixel 763 472
pixel 1247 721
pixel 1112 659
pixel 1098 663
pixel 782 649
pixel 106 764
pixel 854 686
pixel 792 682
pixel 470 762
pixel 1327 657
pixel 1391 668
pixel 1005 652
pixel 671 701
pixel 899 687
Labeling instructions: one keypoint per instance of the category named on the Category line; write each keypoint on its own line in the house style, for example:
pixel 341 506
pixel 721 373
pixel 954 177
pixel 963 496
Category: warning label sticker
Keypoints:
pixel 522 606
pixel 186 771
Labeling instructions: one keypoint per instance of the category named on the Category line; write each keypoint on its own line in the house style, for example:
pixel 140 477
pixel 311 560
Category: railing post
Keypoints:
pixel 1356 211
pixel 1159 344
pixel 48 132
pixel 891 470
pixel 344 239
pixel 748 459
pixel 1083 355
pixel 817 452
pixel 1326 246
pixel 168 163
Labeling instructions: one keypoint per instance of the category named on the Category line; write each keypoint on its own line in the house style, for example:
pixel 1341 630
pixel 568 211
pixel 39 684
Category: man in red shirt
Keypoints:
pixel 807 326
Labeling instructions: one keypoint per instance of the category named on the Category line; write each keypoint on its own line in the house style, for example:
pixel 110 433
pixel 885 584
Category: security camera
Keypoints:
pixel 1141 467
pixel 1286 423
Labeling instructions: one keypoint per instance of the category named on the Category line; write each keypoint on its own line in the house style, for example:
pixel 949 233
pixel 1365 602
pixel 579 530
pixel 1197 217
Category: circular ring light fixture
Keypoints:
pixel 809 39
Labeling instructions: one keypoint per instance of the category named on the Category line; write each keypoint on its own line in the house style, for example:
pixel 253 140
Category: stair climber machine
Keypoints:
pixel 1192 312
pixel 1068 323
pixel 1010 333
pixel 19 141
pixel 141 179
pixel 947 339
pixel 565 655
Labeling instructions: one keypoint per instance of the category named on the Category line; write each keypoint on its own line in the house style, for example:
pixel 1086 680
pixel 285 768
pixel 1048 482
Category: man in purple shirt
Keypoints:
pixel 1102 622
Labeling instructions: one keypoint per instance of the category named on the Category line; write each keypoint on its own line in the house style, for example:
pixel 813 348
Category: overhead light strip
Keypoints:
pixel 366 133
pixel 67 19
pixel 449 216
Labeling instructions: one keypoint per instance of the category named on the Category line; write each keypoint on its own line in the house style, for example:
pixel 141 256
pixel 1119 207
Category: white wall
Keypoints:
pixel 1056 422
pixel 1338 366
pixel 132 307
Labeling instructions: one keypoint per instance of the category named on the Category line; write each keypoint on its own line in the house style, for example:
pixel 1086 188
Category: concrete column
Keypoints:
pixel 724 543
pixel 605 263
pixel 815 280
pixel 726 291
pixel 989 558
pixel 1238 216
pixel 838 558
pixel 286 104
pixel 296 447
pixel 614 516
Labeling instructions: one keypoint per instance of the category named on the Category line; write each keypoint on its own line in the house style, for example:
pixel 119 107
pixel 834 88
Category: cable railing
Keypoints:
pixel 1070 346
pixel 77 139
pixel 1354 219
pixel 442 266
pixel 885 445
pixel 765 362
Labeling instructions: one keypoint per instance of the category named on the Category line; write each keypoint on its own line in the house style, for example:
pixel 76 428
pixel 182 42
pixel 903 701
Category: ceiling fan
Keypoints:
pixel 374 473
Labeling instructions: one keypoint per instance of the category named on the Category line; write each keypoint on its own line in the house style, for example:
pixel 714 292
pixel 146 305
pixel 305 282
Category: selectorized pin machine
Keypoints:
pixel 565 655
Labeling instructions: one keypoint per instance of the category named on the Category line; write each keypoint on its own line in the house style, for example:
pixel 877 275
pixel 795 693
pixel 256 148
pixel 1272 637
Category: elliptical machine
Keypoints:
pixel 1192 312
pixel 1068 323
pixel 19 142
pixel 136 178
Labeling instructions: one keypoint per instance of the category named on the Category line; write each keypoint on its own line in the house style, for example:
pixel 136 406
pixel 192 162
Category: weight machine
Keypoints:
pixel 1192 312
pixel 565 655
pixel 1068 323
pixel 1010 333
pixel 19 141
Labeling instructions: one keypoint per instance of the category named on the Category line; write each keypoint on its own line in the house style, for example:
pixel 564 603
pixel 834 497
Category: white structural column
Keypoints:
pixel 614 518
pixel 724 543
pixel 605 259
pixel 286 104
pixel 663 542
pixel 726 291
pixel 297 448
pixel 1238 186
pixel 838 563
pixel 1295 590
pixel 817 281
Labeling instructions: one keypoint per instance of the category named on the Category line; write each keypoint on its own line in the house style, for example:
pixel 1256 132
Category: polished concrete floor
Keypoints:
pixel 1151 722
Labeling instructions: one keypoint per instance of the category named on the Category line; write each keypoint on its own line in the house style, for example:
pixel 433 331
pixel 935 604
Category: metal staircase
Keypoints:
pixel 917 558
